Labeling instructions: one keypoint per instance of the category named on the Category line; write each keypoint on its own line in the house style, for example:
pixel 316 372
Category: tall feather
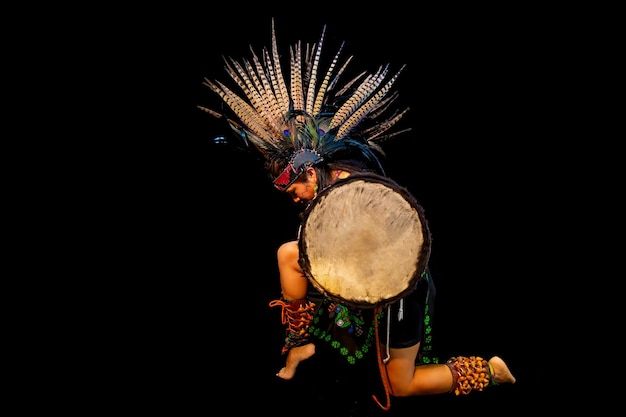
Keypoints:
pixel 275 113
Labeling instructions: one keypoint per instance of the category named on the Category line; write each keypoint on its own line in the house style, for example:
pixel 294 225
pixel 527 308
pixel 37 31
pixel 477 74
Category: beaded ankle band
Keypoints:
pixel 469 374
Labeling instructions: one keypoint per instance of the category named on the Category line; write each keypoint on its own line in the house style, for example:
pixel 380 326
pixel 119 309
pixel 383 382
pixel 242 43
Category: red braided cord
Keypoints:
pixel 381 365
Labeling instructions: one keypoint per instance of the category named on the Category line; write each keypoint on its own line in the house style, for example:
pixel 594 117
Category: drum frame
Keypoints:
pixel 420 263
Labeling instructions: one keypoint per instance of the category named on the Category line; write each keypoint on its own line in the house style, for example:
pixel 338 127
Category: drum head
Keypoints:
pixel 364 241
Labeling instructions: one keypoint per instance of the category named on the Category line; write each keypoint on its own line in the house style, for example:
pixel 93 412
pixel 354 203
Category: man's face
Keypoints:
pixel 304 189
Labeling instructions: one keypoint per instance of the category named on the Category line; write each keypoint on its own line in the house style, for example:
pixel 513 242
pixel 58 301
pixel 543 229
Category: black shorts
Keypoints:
pixel 406 321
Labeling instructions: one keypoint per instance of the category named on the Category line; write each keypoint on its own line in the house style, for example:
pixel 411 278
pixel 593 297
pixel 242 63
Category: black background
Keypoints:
pixel 202 223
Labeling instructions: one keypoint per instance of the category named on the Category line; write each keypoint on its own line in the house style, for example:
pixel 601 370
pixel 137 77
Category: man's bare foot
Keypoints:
pixel 501 373
pixel 294 357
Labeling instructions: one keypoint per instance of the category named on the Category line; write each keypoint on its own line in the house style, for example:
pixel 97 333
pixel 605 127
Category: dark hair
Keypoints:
pixel 324 177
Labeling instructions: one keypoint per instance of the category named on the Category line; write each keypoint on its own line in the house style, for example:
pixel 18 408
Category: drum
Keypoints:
pixel 364 241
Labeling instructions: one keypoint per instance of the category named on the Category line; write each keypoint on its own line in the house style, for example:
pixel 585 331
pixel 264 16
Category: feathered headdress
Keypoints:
pixel 308 120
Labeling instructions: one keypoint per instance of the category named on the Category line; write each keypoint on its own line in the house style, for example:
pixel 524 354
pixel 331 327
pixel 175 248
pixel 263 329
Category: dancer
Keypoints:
pixel 314 136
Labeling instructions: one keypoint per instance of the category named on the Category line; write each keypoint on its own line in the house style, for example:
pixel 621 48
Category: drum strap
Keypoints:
pixel 381 363
pixel 400 315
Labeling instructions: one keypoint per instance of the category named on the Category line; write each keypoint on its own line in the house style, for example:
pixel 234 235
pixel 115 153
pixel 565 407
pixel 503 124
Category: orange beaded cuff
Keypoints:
pixel 469 374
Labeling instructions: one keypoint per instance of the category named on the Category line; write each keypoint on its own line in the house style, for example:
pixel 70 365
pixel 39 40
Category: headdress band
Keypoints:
pixel 299 162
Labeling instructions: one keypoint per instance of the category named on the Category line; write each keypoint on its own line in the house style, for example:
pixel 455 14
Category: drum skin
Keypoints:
pixel 364 241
